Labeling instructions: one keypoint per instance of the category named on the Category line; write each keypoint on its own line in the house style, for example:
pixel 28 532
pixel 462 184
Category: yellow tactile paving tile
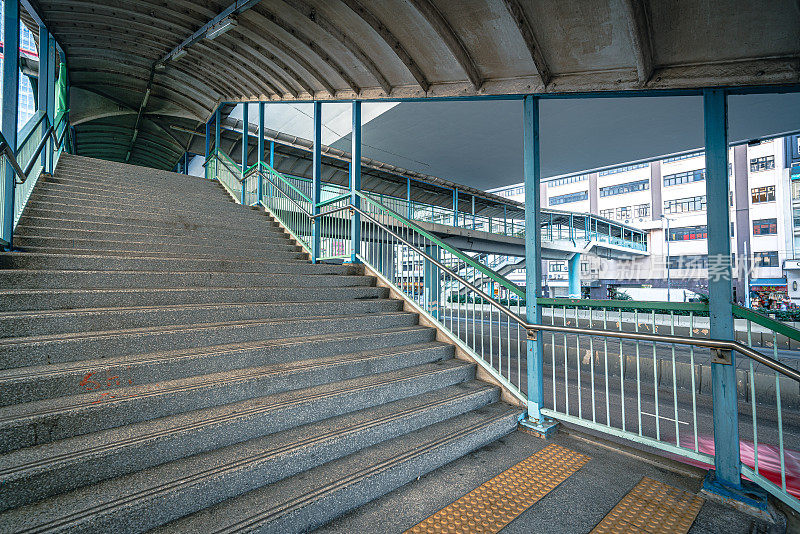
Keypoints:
pixel 652 507
pixel 499 501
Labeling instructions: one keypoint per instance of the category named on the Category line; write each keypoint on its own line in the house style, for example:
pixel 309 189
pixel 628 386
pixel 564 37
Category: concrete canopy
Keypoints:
pixel 345 49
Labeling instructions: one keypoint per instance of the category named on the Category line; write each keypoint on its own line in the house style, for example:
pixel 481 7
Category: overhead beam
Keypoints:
pixel 526 31
pixel 389 38
pixel 320 20
pixel 233 9
pixel 641 38
pixel 440 25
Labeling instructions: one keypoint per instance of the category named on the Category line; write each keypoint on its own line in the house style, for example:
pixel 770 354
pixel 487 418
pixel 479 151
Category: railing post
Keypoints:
pixel 245 142
pixel 355 181
pixel 259 185
pixel 51 98
pixel 9 111
pixel 455 207
pixel 316 184
pixel 723 377
pixel 533 264
pixel 574 274
pixel 208 144
pixel 271 164
pixel 409 209
pixel 44 69
pixel 431 281
pixel 217 128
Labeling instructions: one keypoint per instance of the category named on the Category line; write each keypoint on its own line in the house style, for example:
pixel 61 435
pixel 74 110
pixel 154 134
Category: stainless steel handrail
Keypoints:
pixel 290 199
pixel 637 336
pixel 5 148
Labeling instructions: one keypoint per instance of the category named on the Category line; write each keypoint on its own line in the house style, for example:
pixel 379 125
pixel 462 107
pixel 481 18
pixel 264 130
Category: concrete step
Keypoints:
pixel 40 323
pixel 59 299
pixel 79 262
pixel 37 350
pixel 67 185
pixel 190 432
pixel 67 227
pixel 254 255
pixel 29 384
pixel 236 469
pixel 218 247
pixel 85 237
pixel 46 279
pixel 217 207
pixel 305 501
pixel 176 222
pixel 65 417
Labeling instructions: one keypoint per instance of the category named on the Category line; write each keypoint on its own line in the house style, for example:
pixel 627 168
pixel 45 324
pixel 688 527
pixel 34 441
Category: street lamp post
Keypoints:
pixel 666 238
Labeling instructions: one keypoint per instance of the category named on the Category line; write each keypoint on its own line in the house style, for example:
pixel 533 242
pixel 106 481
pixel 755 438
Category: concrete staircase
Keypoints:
pixel 171 360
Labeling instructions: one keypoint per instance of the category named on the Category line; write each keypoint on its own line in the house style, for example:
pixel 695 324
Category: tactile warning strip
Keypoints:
pixel 499 501
pixel 652 507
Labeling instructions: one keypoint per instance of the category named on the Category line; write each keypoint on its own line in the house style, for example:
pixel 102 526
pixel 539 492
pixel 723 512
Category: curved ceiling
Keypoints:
pixel 345 49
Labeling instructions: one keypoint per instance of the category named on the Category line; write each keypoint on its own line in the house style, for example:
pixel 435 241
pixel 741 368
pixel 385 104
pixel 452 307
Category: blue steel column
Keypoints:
pixel 723 377
pixel 9 112
pixel 245 142
pixel 51 97
pixel 259 186
pixel 533 264
pixel 44 40
pixel 217 127
pixel 208 144
pixel 574 271
pixel 316 181
pixel 431 282
pixel 409 210
pixel 455 207
pixel 355 181
pixel 271 164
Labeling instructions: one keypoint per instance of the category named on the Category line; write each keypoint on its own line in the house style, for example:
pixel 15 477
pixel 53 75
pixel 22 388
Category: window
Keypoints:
pixel 570 197
pixel 762 164
pixel 684 156
pixel 641 210
pixel 584 266
pixel 621 189
pixel 688 233
pixel 511 192
pixel 554 267
pixel 765 227
pixel 626 168
pixel 567 180
pixel 696 261
pixel 765 259
pixel 608 214
pixel 685 205
pixel 684 177
pixel 623 212
pixel 763 194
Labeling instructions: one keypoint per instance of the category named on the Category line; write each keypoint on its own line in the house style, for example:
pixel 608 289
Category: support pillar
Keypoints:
pixel 245 142
pixel 44 69
pixel 355 181
pixel 217 127
pixel 51 99
pixel 574 271
pixel 455 207
pixel 9 111
pixel 409 208
pixel 271 164
pixel 316 181
pixel 260 185
pixel 431 282
pixel 723 377
pixel 533 264
pixel 208 145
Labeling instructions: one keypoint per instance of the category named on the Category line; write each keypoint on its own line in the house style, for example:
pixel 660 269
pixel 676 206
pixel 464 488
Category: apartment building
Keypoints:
pixel 667 198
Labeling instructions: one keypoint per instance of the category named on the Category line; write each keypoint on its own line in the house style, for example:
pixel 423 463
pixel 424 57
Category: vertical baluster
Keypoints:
pixel 578 362
pixel 674 381
pixel 553 353
pixel 519 347
pixel 780 411
pixel 621 374
pixel 591 364
pixel 655 377
pixel 694 387
pixel 605 365
pixel 566 362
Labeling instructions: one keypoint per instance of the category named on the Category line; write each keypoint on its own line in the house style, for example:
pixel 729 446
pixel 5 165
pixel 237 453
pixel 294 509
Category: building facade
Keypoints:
pixel 667 198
